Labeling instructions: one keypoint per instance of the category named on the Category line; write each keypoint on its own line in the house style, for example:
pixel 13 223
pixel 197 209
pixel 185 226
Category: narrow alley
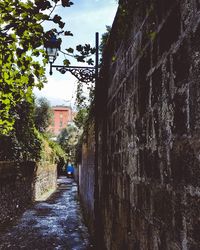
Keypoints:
pixel 56 223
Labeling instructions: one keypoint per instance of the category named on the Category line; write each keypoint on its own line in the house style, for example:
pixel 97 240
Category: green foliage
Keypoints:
pixel 84 103
pixel 22 37
pixel 82 53
pixel 68 140
pixel 66 62
pixel 59 152
pixel 42 115
pixel 80 118
pixel 21 40
pixel 24 142
pixel 104 38
pixel 83 100
pixel 152 35
pixel 68 33
pixel 50 151
pixel 66 3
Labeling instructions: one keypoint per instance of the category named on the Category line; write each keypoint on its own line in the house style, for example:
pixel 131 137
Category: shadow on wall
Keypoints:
pixel 21 184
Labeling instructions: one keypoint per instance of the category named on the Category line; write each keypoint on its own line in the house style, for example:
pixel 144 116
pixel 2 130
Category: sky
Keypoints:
pixel 83 19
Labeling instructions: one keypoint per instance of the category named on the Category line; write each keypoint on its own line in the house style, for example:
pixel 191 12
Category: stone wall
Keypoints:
pixel 148 109
pixel 86 176
pixel 16 188
pixel 45 180
pixel 21 184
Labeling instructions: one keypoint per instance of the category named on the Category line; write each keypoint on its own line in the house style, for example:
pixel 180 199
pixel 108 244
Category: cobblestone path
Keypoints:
pixel 52 224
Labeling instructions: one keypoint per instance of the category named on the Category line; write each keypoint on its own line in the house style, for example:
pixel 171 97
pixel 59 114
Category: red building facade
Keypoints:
pixel 61 117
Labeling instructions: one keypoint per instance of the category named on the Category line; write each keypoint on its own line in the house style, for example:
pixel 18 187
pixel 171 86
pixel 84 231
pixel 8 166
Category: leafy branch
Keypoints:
pixel 21 40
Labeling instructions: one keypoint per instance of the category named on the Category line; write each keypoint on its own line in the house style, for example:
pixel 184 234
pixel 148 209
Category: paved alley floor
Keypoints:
pixel 52 224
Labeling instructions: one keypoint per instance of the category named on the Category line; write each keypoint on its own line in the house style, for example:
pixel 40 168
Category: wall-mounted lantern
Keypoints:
pixel 84 74
pixel 52 47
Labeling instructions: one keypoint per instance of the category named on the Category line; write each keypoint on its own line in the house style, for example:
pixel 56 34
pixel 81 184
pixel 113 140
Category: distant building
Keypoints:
pixel 62 116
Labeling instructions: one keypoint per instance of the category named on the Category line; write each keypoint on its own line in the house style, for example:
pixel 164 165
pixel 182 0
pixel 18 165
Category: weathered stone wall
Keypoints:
pixel 86 176
pixel 148 100
pixel 21 184
pixel 45 180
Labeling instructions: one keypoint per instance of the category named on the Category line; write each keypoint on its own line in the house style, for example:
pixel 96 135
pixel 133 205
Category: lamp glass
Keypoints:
pixel 52 54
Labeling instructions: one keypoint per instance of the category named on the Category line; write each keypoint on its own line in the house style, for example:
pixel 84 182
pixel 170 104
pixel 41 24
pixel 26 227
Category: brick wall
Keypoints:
pixel 148 106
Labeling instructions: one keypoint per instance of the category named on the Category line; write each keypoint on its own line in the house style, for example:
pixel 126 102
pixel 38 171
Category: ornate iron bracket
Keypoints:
pixel 83 74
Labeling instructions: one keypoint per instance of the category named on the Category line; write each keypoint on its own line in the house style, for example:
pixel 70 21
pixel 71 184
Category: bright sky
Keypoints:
pixel 83 19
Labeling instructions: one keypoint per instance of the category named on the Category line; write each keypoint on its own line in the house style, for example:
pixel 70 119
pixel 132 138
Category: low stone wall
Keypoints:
pixel 21 184
pixel 45 180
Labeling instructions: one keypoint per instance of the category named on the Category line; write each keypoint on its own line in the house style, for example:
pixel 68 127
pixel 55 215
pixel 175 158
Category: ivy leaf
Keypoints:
pixel 61 24
pixel 36 53
pixel 93 50
pixel 19 52
pixel 152 35
pixel 80 58
pixel 31 79
pixel 43 5
pixel 41 16
pixel 90 62
pixel 66 62
pixel 56 19
pixel 70 50
pixel 87 47
pixel 68 33
pixel 66 3
pixel 79 48
pixel 20 30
